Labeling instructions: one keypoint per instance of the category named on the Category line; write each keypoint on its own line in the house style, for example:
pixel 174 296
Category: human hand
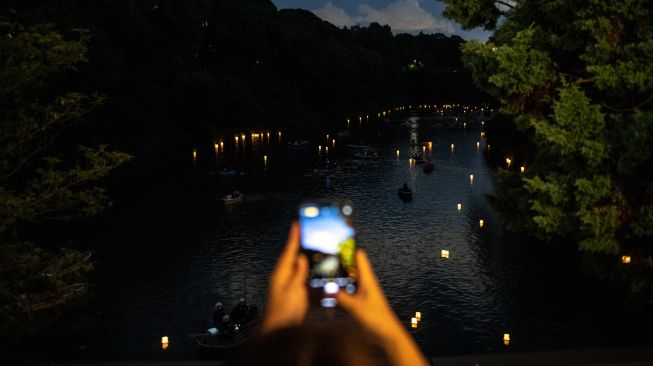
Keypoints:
pixel 371 309
pixel 369 305
pixel 288 293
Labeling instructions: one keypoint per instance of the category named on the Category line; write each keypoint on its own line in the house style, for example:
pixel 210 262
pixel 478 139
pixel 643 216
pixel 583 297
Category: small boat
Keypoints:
pixel 233 197
pixel 246 324
pixel 298 144
pixel 227 172
pixel 405 193
pixel 363 152
pixel 428 167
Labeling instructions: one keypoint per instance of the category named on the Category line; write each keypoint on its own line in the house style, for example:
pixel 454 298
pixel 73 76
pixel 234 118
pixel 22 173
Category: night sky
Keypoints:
pixel 403 16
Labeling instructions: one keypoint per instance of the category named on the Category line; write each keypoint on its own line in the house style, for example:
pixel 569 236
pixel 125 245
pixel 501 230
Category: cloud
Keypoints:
pixel 335 15
pixel 403 16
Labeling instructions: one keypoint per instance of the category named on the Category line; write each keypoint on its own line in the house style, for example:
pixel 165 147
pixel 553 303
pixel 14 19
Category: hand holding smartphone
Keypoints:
pixel 328 239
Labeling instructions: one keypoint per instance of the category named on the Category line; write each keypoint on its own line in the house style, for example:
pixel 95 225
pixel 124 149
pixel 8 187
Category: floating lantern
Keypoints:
pixel 265 161
pixel 360 119
pixel 478 144
pixel 222 145
pixel 423 149
pixel 319 148
pixel 481 223
pixel 482 133
pixel 194 154
pixel 482 123
pixel 444 254
pixel 506 339
pixel 488 147
pixel 326 149
pixel 367 116
pixel 268 134
pixel 333 142
pixel 508 161
pixel 459 206
pixel 471 178
pixel 243 137
pixel 464 124
pixel 216 147
pixel 413 322
pixel 279 135
pixel 418 315
pixel 164 342
pixel 522 169
pixel 430 145
pixel 625 259
pixel 236 138
pixel 452 147
pixel 327 136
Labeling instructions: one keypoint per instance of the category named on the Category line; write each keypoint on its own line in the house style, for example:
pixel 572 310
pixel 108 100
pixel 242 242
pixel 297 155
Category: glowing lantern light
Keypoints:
pixel 397 154
pixel 506 339
pixel 452 147
pixel 333 142
pixel 482 134
pixel 268 135
pixel 459 206
pixel 478 144
pixel 481 223
pixel 326 149
pixel 413 322
pixel 367 116
pixel 418 315
pixel 508 161
pixel 242 137
pixel 522 169
pixel 216 147
pixel 430 145
pixel 164 342
pixel 279 135
pixel 471 178
pixel 464 124
pixel 222 145
pixel 194 154
pixel 444 254
pixel 236 138
pixel 319 148
pixel 265 161
pixel 423 149
pixel 625 259
pixel 482 123
pixel 327 136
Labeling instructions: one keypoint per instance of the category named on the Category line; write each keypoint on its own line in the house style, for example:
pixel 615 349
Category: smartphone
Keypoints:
pixel 328 240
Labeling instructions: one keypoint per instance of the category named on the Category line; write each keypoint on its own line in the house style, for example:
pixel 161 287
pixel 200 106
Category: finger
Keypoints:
pixel 289 253
pixel 366 276
pixel 346 301
pixel 301 271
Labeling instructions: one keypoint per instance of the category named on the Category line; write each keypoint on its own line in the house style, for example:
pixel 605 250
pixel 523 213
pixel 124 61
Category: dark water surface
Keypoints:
pixel 166 272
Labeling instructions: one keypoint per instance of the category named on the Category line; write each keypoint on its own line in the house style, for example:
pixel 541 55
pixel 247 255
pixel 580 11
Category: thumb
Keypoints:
pixel 346 301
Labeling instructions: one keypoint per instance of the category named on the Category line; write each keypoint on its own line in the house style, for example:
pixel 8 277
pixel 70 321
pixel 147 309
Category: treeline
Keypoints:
pixel 177 73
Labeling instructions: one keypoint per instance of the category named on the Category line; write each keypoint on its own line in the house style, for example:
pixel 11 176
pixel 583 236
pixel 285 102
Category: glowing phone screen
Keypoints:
pixel 328 240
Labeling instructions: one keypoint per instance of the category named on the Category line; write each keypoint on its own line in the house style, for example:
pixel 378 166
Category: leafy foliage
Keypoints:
pixel 577 78
pixel 38 181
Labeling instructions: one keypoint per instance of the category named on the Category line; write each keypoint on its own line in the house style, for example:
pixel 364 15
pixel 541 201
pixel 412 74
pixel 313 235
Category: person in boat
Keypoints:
pixel 218 313
pixel 289 339
pixel 240 313
pixel 227 327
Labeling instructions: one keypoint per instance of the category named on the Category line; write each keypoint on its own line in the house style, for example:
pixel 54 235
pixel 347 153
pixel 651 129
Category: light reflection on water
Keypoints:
pixel 488 286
